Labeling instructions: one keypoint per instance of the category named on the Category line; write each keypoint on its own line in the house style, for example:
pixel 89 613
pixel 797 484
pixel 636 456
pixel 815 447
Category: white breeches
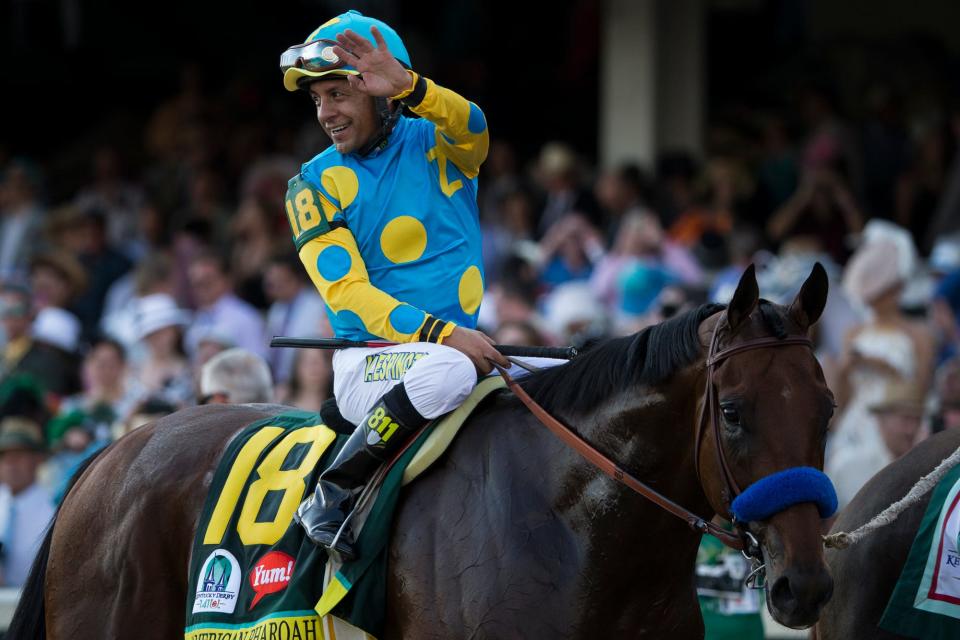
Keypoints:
pixel 437 378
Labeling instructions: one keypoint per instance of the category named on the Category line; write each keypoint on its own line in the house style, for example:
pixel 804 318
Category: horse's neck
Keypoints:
pixel 633 544
pixel 648 432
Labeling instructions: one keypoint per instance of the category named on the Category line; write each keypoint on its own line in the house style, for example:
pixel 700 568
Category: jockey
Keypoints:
pixel 386 223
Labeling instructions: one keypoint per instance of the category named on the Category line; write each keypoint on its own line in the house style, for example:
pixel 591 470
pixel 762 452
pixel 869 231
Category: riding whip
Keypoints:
pixel 563 353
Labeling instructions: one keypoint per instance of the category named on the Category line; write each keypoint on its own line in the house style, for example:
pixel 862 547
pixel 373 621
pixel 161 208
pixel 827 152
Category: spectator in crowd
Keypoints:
pixel 573 314
pixel 253 239
pixel 777 170
pixel 621 192
pixel 50 366
pixel 889 348
pixel 56 279
pixel 512 300
pixel 637 289
pixel 235 376
pixel 823 210
pixel 25 397
pixel 207 204
pixel 675 191
pixel 944 219
pixel 25 506
pixel 885 149
pixel 946 414
pixel 508 230
pixel 297 310
pixel 83 234
pixel 640 241
pixel 210 343
pixel 723 188
pixel 519 333
pixel 919 185
pixel 153 274
pixel 218 306
pixel 21 215
pixel 899 418
pixel 74 436
pixel 109 192
pixel 165 371
pixel 311 382
pixel 150 409
pixel 559 175
pixel 109 394
pixel 828 142
pixel 190 242
pixel 500 178
pixel 945 316
pixel 743 244
pixel 568 251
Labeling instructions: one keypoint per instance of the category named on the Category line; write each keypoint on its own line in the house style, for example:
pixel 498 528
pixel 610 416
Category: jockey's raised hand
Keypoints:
pixel 381 75
pixel 477 346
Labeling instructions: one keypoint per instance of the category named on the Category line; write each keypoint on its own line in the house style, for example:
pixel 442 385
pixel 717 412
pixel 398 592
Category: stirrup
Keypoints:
pixel 336 544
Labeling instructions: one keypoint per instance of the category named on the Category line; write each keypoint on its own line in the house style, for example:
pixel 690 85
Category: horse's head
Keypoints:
pixel 770 407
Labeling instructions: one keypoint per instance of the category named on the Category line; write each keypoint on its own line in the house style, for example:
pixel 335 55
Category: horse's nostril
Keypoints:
pixel 782 595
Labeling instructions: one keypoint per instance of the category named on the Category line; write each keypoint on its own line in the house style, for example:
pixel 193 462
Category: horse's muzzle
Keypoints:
pixel 796 597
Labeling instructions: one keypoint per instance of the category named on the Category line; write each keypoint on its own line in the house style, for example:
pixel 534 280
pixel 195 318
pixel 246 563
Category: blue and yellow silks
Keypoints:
pixel 397 253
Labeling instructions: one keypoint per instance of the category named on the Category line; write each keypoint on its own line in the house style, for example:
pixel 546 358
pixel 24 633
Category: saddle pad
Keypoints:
pixel 253 573
pixel 926 600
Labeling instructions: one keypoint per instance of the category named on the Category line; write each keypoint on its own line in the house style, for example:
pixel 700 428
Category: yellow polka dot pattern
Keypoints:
pixel 471 290
pixel 404 239
pixel 341 183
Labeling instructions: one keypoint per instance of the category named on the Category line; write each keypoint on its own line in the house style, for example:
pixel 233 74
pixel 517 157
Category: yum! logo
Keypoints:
pixel 270 574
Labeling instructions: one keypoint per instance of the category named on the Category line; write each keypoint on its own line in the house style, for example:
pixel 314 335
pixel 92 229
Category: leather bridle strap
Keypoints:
pixel 711 406
pixel 607 466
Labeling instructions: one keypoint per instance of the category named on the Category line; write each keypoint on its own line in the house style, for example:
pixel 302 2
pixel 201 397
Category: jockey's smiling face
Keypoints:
pixel 348 116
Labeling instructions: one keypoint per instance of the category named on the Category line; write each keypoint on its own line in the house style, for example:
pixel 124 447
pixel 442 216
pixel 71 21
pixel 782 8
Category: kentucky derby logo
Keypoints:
pixel 218 584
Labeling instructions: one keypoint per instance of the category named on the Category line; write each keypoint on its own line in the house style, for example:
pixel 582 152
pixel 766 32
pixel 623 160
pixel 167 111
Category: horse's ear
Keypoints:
pixel 806 308
pixel 744 299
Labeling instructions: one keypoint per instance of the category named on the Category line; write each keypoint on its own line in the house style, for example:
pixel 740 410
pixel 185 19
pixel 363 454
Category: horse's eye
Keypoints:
pixel 730 414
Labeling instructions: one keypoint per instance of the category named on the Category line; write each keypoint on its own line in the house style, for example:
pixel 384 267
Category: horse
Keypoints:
pixel 511 534
pixel 866 572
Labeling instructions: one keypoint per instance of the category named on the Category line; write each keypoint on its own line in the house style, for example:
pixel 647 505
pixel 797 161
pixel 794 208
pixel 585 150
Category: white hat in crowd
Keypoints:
pixel 158 311
pixel 57 327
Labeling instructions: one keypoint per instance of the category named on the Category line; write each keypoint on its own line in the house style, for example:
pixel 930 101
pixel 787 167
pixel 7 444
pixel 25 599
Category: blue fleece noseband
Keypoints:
pixel 783 489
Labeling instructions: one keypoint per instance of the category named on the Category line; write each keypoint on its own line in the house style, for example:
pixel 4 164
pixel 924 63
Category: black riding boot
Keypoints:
pixel 384 431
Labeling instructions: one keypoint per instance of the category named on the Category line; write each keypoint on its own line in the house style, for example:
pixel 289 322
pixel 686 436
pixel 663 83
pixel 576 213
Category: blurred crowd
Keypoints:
pixel 156 283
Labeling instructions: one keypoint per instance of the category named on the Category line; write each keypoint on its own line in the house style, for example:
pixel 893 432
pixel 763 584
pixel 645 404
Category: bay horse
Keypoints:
pixel 511 534
pixel 866 573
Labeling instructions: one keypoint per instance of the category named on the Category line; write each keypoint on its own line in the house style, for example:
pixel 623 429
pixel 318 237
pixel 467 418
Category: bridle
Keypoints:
pixel 739 539
pixel 711 405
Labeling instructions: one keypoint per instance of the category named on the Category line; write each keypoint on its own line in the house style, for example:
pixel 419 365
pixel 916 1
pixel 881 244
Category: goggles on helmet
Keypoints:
pixel 313 56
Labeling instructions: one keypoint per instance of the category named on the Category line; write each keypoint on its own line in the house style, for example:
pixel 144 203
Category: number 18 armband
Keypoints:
pixel 309 212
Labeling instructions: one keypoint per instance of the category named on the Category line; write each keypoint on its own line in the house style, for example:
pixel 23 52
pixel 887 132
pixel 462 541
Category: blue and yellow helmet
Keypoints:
pixel 315 57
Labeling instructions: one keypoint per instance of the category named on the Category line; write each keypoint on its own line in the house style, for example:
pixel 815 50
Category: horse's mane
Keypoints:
pixel 648 357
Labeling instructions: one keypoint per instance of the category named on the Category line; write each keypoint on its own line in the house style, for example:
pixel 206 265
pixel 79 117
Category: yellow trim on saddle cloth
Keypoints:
pixel 336 586
pixel 443 434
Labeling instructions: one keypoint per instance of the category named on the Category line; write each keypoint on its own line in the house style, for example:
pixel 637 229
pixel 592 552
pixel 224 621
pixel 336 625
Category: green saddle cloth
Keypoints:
pixel 926 600
pixel 253 572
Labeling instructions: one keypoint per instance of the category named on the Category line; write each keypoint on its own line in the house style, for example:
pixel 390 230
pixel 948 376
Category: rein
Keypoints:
pixel 740 540
pixel 610 468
